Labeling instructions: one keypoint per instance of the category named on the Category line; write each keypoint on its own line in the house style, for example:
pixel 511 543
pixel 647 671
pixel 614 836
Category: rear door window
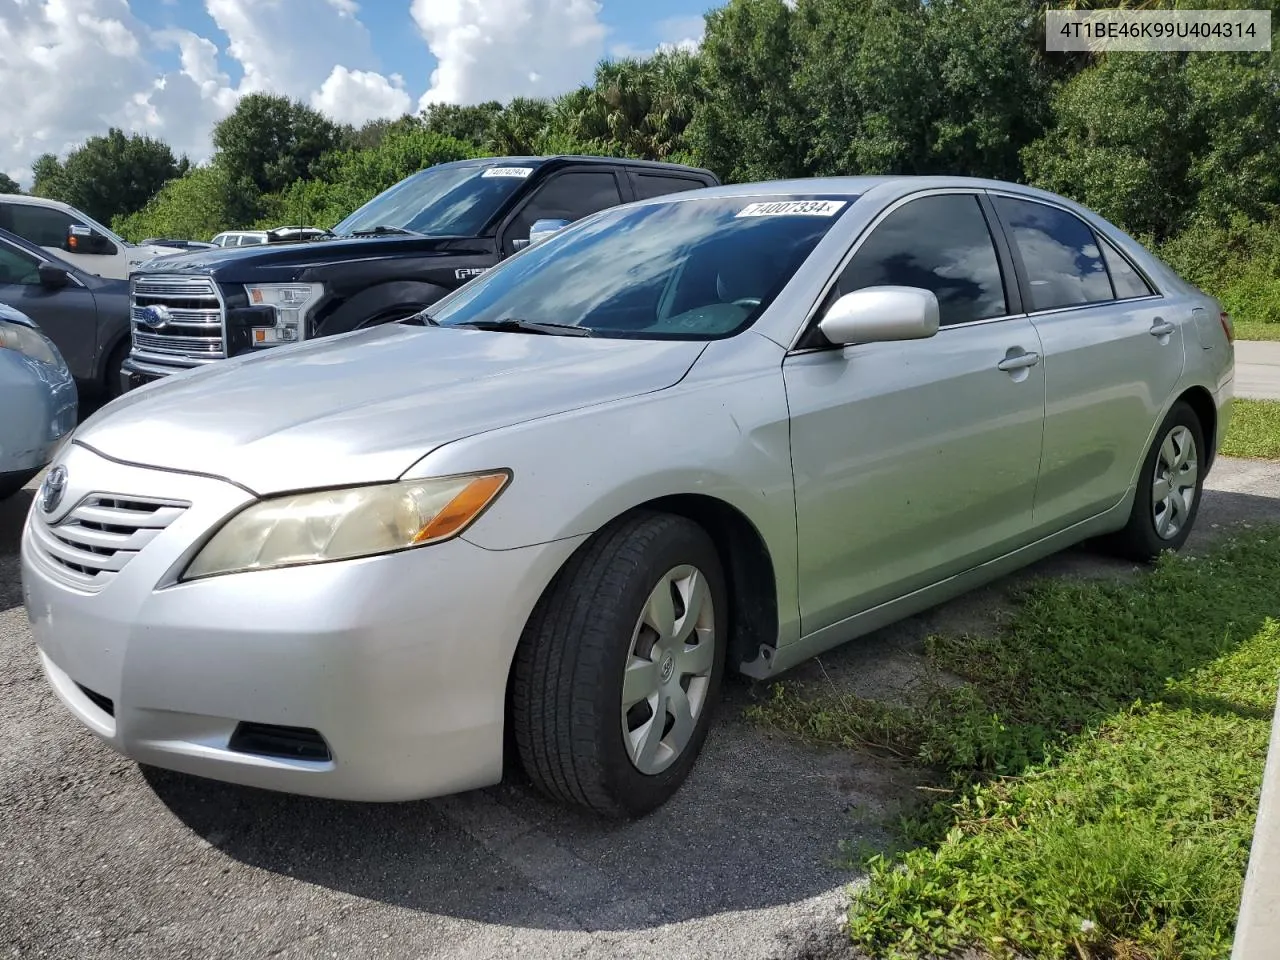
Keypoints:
pixel 1127 281
pixel 1060 254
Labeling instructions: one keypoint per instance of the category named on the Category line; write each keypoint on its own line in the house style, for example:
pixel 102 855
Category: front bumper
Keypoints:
pixel 399 662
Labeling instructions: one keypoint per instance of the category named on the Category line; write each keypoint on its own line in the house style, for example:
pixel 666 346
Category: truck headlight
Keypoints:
pixel 292 303
pixel 343 524
pixel 28 342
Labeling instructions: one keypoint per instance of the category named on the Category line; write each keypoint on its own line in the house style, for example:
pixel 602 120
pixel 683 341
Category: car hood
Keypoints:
pixel 364 407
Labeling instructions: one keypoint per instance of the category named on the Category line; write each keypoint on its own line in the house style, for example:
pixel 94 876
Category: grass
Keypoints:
pixel 1104 755
pixel 1256 330
pixel 1254 430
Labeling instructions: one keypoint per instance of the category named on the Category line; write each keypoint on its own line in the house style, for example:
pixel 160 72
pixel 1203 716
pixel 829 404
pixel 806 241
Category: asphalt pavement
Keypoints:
pixel 1258 369
pixel 101 859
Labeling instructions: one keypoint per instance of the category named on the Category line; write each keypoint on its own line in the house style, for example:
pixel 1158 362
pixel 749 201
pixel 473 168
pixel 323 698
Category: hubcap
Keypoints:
pixel 1173 490
pixel 664 688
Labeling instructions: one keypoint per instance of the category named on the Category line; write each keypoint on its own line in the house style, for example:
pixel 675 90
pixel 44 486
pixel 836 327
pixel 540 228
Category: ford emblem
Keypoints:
pixel 156 316
pixel 54 486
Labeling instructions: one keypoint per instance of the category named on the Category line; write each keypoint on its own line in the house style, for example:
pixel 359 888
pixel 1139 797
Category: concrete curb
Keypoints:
pixel 1258 923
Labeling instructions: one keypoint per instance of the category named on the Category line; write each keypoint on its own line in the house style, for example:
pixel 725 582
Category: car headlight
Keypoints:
pixel 292 303
pixel 343 524
pixel 28 342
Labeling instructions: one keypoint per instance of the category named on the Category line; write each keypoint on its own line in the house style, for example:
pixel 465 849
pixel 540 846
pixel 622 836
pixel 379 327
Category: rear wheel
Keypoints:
pixel 620 666
pixel 1169 489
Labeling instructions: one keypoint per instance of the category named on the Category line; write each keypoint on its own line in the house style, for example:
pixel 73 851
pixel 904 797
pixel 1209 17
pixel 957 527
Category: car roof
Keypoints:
pixel 37 201
pixel 857 186
pixel 563 158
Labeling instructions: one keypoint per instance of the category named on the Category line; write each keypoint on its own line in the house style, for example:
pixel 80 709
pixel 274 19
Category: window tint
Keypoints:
pixel 649 186
pixel 1059 252
pixel 42 226
pixel 18 266
pixel 567 196
pixel 941 244
pixel 1127 281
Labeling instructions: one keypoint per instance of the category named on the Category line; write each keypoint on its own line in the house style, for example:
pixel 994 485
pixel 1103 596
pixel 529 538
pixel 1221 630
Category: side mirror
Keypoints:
pixel 53 277
pixel 84 239
pixel 542 229
pixel 874 314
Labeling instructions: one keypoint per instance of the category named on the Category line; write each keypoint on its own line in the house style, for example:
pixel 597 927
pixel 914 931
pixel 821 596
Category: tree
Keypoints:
pixel 205 201
pixel 46 175
pixel 110 175
pixel 8 184
pixel 750 123
pixel 470 124
pixel 271 141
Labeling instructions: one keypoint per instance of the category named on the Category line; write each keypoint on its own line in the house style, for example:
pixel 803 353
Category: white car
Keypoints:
pixel 75 236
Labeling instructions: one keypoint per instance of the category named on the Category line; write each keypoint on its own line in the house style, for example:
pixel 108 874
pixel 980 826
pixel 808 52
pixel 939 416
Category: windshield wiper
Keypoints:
pixel 516 325
pixel 383 230
pixel 421 319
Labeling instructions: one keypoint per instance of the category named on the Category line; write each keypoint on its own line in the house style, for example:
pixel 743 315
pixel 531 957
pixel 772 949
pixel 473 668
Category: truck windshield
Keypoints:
pixel 440 201
pixel 679 270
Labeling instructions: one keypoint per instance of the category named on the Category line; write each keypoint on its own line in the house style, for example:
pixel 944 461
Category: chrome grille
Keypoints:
pixel 98 538
pixel 194 332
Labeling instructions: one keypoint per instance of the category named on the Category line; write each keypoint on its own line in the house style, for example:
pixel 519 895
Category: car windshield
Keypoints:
pixel 439 201
pixel 697 269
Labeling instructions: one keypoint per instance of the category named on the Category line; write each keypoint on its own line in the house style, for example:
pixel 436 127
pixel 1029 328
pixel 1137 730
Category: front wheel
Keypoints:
pixel 1169 488
pixel 620 665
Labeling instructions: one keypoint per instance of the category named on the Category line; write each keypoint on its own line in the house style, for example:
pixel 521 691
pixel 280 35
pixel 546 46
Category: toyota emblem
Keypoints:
pixel 156 316
pixel 54 486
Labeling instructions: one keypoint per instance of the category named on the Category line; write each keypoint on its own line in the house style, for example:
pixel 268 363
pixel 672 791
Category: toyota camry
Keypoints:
pixel 724 430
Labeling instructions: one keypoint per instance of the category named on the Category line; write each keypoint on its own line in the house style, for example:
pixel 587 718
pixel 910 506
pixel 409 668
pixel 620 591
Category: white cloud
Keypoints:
pixel 681 33
pixel 72 68
pixel 498 49
pixel 354 96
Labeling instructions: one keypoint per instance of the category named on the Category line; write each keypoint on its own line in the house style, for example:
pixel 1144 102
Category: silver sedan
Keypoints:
pixel 724 430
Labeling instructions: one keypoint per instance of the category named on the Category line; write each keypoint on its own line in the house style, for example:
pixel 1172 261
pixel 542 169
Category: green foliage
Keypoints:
pixel 109 175
pixel 8 184
pixel 271 141
pixel 1106 751
pixel 1254 430
pixel 1237 261
pixel 193 207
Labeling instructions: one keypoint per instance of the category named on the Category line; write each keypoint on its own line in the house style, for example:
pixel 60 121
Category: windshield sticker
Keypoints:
pixel 794 208
pixel 519 173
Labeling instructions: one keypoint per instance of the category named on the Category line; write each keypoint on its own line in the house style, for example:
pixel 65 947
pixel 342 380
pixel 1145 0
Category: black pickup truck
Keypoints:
pixel 399 253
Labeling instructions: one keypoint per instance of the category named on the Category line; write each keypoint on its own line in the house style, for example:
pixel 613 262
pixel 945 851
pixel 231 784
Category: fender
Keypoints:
pixel 411 295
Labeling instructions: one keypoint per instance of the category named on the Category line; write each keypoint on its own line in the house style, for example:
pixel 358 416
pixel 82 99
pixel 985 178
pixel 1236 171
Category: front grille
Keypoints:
pixel 269 740
pixel 98 538
pixel 193 333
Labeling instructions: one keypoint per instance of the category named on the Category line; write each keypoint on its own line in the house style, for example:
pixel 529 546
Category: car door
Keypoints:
pixel 1113 354
pixel 47 227
pixel 67 315
pixel 914 461
pixel 569 194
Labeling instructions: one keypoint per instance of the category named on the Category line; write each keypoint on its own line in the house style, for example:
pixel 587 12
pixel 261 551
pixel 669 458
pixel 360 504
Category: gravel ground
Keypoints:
pixel 99 858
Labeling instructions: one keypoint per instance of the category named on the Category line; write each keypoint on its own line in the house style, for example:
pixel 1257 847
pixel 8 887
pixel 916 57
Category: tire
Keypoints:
pixel 1158 524
pixel 567 685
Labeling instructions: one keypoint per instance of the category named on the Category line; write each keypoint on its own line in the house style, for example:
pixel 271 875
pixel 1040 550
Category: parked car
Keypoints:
pixel 727 430
pixel 85 315
pixel 38 397
pixel 241 238
pixel 399 253
pixel 75 237
pixel 178 244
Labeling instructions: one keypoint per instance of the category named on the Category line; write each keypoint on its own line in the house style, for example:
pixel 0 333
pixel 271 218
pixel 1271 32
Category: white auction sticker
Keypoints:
pixel 519 173
pixel 794 208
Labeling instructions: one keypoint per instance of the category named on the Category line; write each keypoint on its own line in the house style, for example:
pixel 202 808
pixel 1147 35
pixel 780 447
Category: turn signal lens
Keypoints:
pixel 463 508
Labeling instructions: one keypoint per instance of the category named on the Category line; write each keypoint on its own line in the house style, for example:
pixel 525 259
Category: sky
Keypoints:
pixel 69 69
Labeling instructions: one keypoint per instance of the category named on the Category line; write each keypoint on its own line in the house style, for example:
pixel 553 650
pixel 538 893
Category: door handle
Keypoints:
pixel 1020 362
pixel 1161 328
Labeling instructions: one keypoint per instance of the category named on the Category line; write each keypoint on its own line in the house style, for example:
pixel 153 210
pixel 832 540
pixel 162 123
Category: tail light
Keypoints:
pixel 1227 327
